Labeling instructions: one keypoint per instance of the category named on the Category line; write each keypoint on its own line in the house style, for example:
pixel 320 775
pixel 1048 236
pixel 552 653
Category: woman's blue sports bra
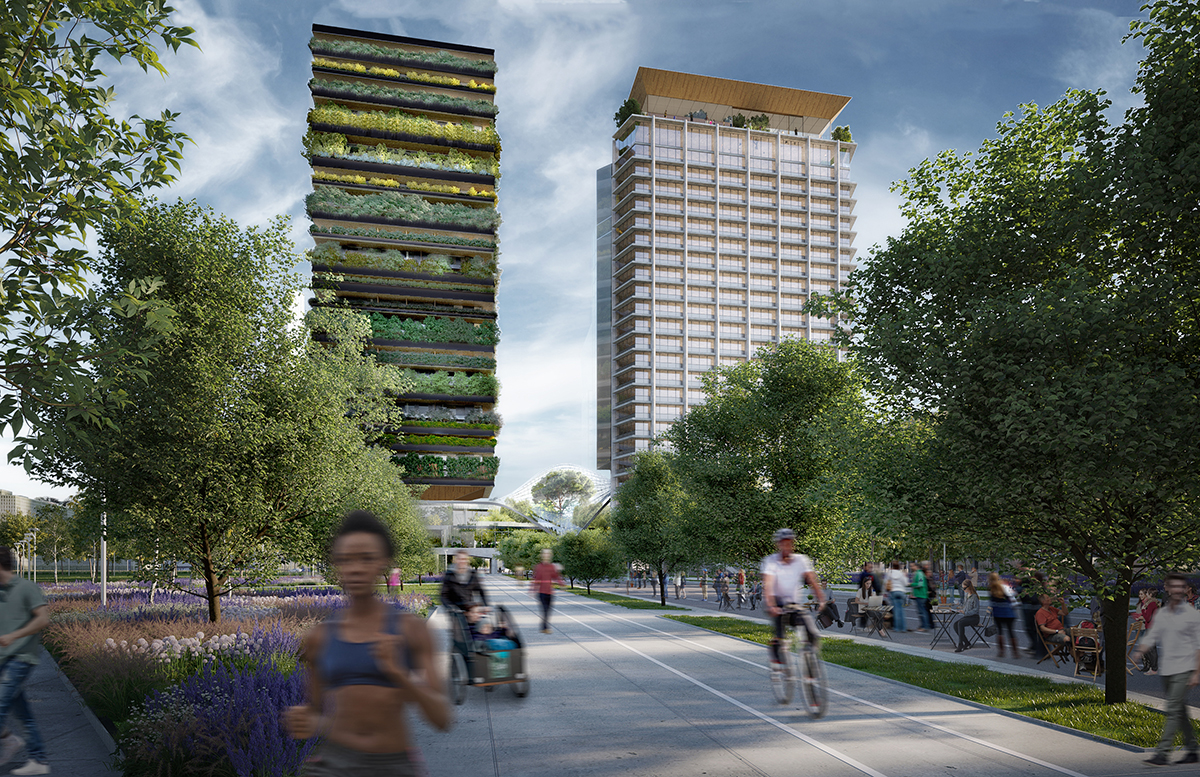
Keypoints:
pixel 352 663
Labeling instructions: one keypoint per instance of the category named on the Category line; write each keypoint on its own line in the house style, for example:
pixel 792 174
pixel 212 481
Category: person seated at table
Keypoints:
pixel 970 616
pixel 1049 620
pixel 866 589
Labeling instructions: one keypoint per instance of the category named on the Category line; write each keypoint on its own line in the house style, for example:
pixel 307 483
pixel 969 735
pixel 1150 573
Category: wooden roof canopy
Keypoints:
pixel 665 92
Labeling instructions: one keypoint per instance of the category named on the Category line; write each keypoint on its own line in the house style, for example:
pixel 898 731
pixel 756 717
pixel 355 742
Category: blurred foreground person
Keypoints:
pixel 366 664
pixel 23 614
pixel 1176 633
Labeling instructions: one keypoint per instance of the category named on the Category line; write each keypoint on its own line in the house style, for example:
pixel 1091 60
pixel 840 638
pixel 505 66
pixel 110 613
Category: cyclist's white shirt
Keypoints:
pixel 786 577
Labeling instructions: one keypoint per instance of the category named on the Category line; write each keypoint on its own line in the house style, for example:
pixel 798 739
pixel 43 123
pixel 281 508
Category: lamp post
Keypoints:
pixel 31 546
pixel 104 559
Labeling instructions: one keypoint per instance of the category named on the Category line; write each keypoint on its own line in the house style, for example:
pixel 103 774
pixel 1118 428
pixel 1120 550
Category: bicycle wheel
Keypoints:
pixel 457 679
pixel 783 676
pixel 816 693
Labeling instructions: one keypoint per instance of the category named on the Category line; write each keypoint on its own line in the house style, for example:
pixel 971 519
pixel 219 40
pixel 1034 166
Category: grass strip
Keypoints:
pixel 1073 705
pixel 625 601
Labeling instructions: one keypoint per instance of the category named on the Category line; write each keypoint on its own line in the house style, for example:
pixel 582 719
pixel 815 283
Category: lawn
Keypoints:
pixel 624 601
pixel 1076 705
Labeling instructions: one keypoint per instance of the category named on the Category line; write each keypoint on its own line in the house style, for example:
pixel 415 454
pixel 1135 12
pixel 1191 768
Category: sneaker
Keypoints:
pixel 32 767
pixel 1190 758
pixel 9 746
pixel 1158 759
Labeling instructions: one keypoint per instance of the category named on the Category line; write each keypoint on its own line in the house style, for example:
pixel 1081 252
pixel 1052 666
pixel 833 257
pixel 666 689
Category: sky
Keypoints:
pixel 922 75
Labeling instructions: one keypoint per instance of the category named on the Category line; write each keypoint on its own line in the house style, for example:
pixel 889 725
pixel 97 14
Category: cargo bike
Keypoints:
pixel 486 663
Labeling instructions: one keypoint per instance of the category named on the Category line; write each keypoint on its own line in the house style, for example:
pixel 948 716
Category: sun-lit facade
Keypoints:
pixel 710 237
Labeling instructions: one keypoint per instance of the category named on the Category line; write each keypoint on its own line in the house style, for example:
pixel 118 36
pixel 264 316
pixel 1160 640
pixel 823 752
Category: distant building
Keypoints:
pixel 11 503
pixel 710 237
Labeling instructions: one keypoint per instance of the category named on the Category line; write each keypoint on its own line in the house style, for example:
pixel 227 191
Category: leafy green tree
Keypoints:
pixel 53 522
pixel 842 134
pixel 67 165
pixel 738 120
pixel 754 455
pixel 523 547
pixel 561 489
pixel 760 122
pixel 588 556
pixel 247 443
pixel 1039 309
pixel 13 527
pixel 647 523
pixel 630 107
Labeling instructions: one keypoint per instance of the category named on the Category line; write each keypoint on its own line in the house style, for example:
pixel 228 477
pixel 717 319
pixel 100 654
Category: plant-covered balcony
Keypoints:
pixel 434 329
pixel 324 147
pixel 452 384
pixel 423 467
pixel 371 52
pixel 321 64
pixel 435 358
pixel 357 91
pixel 335 257
pixel 403 126
pixel 410 210
pixel 400 237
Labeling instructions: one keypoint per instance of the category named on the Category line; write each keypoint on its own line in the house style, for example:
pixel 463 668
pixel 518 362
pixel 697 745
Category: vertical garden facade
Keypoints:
pixel 405 161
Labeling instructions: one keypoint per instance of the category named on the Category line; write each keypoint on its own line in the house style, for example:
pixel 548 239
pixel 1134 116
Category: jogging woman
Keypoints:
pixel 366 664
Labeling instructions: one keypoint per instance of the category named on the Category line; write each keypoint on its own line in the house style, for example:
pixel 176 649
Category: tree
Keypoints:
pixel 561 489
pixel 630 107
pixel 647 521
pixel 66 166
pixel 842 134
pixel 13 527
pixel 753 455
pixel 588 556
pixel 1038 309
pixel 760 122
pixel 54 532
pixel 738 120
pixel 247 444
pixel 523 548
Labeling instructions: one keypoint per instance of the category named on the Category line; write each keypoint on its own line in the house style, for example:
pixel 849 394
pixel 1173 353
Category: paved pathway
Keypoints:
pixel 624 692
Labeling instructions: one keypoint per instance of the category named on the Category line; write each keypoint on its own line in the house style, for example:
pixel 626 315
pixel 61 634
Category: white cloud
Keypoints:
pixel 1097 59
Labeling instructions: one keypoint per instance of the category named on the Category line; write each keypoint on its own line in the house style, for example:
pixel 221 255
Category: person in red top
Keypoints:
pixel 1049 621
pixel 1147 606
pixel 545 577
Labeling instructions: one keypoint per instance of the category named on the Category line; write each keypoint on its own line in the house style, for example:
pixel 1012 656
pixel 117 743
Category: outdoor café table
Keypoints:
pixel 942 618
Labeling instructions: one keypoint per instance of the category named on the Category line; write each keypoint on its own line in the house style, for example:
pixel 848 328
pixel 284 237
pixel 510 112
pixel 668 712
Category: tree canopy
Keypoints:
pixel 1038 313
pixel 562 489
pixel 647 521
pixel 68 165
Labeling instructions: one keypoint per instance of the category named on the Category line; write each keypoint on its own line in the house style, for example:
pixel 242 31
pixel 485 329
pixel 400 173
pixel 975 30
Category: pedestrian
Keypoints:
pixel 545 577
pixel 1003 613
pixel 920 592
pixel 1030 587
pixel 970 616
pixel 1144 614
pixel 741 588
pixel 704 585
pixel 1176 634
pixel 367 663
pixel 394 580
pixel 897 590
pixel 682 585
pixel 653 578
pixel 960 577
pixel 462 586
pixel 23 615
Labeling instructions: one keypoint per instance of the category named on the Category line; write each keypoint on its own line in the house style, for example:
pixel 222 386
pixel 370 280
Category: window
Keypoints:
pixel 700 328
pixel 668 135
pixel 762 214
pixel 699 345
pixel 695 190
pixel 762 282
pixel 669 325
pixel 791 152
pixel 700 225
pixel 668 394
pixel 700 209
pixel 762 232
pixel 699 243
pixel 732 280
pixel 699 362
pixel 733 314
pixel 732 330
pixel 668 342
pixel 734 246
pixel 732 142
pixel 668 222
pixel 732 212
pixel 669 361
pixel 700 260
pixel 668 188
pixel 695 396
pixel 700 173
pixel 732 346
pixel 758 265
pixel 731 296
pixel 670 308
pixel 664 291
pixel 733 195
pixel 698 140
pixel 735 179
pixel 700 310
pixel 700 276
pixel 733 263
pixel 700 295
pixel 762 145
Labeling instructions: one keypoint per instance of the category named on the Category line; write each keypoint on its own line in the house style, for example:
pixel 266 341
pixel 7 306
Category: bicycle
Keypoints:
pixel 802 660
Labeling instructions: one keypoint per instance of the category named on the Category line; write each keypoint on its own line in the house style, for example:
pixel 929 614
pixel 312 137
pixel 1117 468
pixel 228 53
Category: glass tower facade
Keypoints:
pixel 710 239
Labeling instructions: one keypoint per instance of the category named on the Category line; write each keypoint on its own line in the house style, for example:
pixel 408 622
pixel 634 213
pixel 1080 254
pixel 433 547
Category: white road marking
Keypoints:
pixel 880 707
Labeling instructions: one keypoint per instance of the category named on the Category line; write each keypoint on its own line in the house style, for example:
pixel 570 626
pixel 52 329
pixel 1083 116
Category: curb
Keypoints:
pixel 97 726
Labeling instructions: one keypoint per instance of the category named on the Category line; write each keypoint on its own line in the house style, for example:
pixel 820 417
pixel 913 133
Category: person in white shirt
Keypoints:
pixel 1176 632
pixel 896 583
pixel 782 574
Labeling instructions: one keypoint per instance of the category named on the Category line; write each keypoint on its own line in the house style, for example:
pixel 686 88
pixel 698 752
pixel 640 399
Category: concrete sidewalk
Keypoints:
pixel 76 743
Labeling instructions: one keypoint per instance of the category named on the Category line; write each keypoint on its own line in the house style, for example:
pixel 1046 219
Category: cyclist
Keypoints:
pixel 782 573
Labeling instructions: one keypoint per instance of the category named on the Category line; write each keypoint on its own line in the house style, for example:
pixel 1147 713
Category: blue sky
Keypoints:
pixel 923 75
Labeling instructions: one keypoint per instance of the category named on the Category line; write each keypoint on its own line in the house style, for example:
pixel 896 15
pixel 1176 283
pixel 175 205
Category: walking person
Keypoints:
pixel 1176 634
pixel 366 665
pixel 704 585
pixel 23 615
pixel 545 577
pixel 741 588
pixel 682 585
pixel 1144 614
pixel 1003 614
pixel 920 592
pixel 896 584
pixel 970 616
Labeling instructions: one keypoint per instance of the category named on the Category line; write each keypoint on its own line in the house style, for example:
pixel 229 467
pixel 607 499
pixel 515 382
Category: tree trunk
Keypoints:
pixel 662 588
pixel 211 586
pixel 1115 617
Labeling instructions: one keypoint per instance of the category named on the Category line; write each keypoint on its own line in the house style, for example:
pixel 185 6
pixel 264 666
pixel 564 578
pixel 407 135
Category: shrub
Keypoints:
pixel 337 146
pixel 346 48
pixel 389 234
pixel 430 100
pixel 421 465
pixel 458 383
pixel 434 329
pixel 403 261
pixel 403 123
pixel 400 207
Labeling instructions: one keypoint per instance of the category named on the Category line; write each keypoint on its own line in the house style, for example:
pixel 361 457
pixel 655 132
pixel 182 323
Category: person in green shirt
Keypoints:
pixel 920 592
pixel 23 615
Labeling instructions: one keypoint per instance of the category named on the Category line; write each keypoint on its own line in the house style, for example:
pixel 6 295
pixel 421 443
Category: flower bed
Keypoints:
pixel 409 77
pixel 185 696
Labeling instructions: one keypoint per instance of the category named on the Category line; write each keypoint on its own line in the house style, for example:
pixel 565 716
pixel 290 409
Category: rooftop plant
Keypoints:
pixel 392 234
pixel 347 48
pixel 434 329
pixel 434 358
pixel 400 207
pixel 403 123
pixel 336 146
pixel 431 100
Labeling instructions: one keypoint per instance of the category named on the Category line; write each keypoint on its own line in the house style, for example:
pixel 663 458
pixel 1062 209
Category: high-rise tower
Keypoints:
pixel 405 159
pixel 723 208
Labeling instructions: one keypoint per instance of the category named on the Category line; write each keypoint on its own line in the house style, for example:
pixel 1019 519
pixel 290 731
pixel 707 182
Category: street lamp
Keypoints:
pixel 31 547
